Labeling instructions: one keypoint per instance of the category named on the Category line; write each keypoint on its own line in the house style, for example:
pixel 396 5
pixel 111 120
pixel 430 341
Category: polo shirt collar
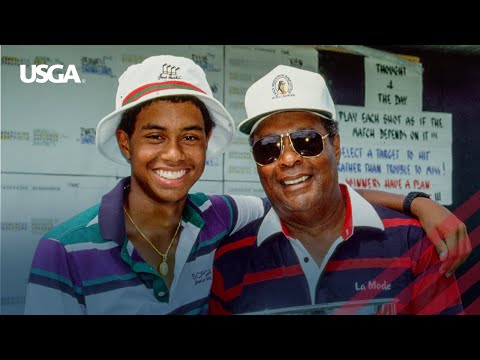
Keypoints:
pixel 359 212
pixel 110 214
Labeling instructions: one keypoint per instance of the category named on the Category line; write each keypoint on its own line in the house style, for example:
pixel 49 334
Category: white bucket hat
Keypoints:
pixel 156 77
pixel 286 88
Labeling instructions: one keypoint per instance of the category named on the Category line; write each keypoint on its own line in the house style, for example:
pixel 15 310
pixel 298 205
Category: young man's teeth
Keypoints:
pixel 171 174
pixel 296 181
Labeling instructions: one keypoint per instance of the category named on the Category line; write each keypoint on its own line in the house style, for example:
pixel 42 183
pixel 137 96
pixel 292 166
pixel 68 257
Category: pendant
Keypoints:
pixel 163 268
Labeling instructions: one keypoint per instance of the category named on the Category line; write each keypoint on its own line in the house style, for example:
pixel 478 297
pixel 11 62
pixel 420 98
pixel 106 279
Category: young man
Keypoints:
pixel 320 243
pixel 148 246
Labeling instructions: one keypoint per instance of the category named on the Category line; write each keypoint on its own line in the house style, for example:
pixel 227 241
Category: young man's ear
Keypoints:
pixel 123 143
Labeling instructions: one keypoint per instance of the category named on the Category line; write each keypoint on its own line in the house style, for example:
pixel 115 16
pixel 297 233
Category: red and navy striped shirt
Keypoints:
pixel 382 254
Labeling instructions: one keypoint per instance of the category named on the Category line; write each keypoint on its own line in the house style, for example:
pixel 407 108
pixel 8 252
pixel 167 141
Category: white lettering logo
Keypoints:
pixel 42 73
pixel 373 285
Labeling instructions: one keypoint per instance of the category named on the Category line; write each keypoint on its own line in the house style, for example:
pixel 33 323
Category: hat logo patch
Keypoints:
pixel 169 72
pixel 282 86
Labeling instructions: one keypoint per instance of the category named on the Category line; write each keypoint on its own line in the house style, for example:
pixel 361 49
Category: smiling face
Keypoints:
pixel 296 183
pixel 167 150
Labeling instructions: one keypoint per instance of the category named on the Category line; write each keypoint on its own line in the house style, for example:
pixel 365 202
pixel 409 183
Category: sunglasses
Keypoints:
pixel 306 143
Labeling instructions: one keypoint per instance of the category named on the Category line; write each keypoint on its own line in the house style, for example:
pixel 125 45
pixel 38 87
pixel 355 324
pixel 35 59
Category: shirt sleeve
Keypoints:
pixel 248 209
pixel 53 286
pixel 432 293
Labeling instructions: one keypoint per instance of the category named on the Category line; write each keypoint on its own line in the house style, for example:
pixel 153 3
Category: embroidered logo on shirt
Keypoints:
pixel 202 276
pixel 373 285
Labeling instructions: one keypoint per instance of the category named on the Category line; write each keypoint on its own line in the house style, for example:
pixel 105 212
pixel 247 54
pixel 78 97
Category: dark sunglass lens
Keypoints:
pixel 307 142
pixel 267 150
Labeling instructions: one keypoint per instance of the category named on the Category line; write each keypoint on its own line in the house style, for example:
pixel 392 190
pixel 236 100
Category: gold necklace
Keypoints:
pixel 163 267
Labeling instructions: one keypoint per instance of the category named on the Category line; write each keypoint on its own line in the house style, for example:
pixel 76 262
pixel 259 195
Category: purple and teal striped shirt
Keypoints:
pixel 88 266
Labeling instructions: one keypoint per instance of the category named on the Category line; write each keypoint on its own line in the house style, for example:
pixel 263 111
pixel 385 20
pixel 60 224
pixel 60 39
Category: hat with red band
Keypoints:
pixel 157 77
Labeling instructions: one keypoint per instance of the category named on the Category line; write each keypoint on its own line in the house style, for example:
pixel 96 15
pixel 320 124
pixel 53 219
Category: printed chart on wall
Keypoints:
pixel 242 188
pixel 243 66
pixel 49 117
pixel 50 200
pixel 207 187
pixel 396 151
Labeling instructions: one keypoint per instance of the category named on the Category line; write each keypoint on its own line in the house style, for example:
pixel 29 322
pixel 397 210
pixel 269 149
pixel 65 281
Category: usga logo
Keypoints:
pixel 42 73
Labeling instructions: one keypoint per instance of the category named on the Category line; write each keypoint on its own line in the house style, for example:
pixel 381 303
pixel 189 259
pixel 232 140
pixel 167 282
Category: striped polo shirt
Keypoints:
pixel 88 266
pixel 382 255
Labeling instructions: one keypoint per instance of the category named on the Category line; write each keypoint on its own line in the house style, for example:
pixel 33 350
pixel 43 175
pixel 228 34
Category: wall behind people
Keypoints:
pixel 452 84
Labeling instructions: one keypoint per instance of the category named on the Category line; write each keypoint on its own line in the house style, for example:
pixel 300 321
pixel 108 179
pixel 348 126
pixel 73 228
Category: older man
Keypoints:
pixel 319 241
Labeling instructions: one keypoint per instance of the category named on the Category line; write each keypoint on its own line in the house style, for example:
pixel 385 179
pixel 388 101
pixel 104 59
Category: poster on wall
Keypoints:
pixel 49 116
pixel 393 86
pixel 243 66
pixel 251 188
pixel 207 187
pixel 31 206
pixel 396 151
